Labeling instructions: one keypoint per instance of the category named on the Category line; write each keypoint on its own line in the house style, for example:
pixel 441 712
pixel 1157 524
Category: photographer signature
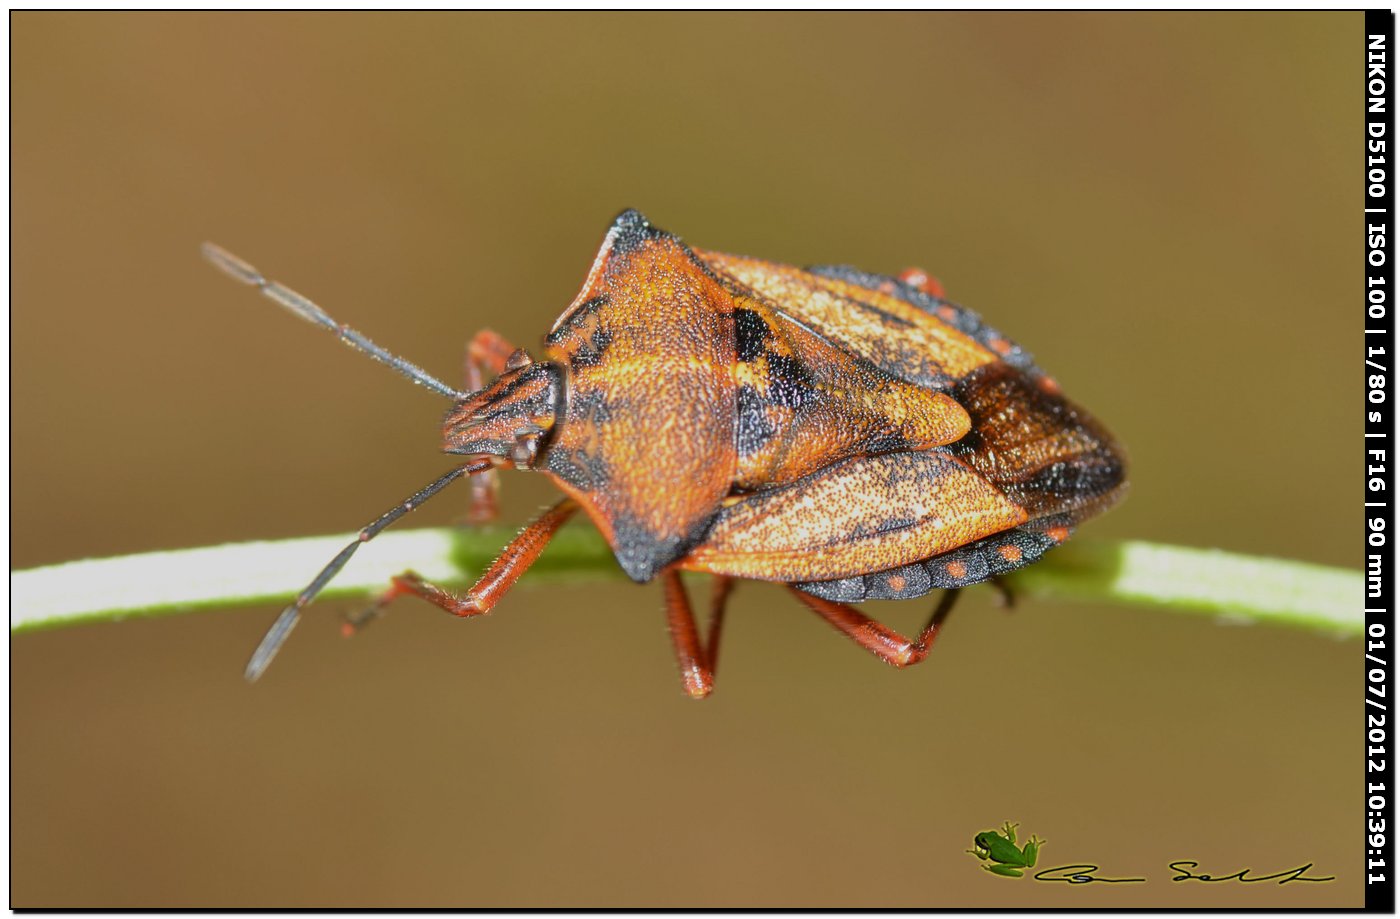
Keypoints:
pixel 1283 877
pixel 1005 859
pixel 1084 874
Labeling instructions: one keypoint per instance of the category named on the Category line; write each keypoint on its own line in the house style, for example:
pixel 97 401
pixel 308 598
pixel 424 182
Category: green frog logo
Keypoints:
pixel 1000 849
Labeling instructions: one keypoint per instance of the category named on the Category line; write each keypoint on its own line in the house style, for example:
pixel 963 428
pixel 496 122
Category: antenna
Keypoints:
pixel 239 270
pixel 273 640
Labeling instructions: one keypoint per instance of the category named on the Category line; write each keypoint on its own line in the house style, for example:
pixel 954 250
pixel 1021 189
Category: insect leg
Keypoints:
pixel 1006 597
pixel 482 506
pixel 881 640
pixel 917 277
pixel 697 665
pixel 719 603
pixel 500 575
pixel 487 353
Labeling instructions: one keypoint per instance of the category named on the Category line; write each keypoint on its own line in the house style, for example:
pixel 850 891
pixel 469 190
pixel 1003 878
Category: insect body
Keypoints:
pixel 1000 849
pixel 853 436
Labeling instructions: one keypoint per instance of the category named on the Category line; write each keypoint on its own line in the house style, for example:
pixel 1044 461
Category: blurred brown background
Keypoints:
pixel 1163 208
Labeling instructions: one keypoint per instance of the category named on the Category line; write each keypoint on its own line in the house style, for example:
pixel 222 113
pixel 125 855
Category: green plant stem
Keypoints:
pixel 1239 587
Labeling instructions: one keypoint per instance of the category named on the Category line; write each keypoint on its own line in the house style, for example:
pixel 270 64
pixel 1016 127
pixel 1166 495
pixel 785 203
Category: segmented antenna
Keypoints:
pixel 295 303
pixel 272 641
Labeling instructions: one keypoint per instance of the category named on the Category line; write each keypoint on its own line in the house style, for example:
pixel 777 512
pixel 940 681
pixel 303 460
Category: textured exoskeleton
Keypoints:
pixel 855 436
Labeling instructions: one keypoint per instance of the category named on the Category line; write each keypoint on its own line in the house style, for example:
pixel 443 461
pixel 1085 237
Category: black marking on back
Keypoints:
pixel 884 442
pixel 591 407
pixel 890 524
pixel 1070 486
pixel 790 382
pixel 642 554
pixel 581 470
pixel 590 353
pixel 753 428
pixel 751 334
pixel 639 552
pixel 631 230
pixel 584 310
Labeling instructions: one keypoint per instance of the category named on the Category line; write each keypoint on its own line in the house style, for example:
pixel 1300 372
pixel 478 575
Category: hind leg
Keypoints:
pixel 879 639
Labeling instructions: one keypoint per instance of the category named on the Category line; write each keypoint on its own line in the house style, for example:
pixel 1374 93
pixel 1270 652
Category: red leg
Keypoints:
pixel 917 277
pixel 482 506
pixel 487 353
pixel 719 602
pixel 498 578
pixel 1006 597
pixel 882 641
pixel 697 662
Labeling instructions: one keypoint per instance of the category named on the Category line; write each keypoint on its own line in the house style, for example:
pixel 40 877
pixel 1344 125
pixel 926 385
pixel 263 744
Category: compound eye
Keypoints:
pixel 518 358
pixel 525 446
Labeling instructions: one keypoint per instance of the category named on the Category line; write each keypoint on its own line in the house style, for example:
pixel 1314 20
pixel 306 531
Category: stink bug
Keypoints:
pixel 851 435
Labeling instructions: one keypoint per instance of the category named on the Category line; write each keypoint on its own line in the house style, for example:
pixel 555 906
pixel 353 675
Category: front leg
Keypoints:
pixel 498 578
pixel 487 353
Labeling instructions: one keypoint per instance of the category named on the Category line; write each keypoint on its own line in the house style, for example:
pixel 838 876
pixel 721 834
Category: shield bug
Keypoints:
pixel 853 436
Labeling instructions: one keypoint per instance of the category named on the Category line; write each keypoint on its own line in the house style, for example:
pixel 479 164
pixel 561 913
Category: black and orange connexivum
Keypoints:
pixel 852 435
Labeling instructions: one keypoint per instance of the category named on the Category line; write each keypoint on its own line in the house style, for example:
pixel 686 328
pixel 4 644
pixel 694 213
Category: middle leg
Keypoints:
pixel 697 661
